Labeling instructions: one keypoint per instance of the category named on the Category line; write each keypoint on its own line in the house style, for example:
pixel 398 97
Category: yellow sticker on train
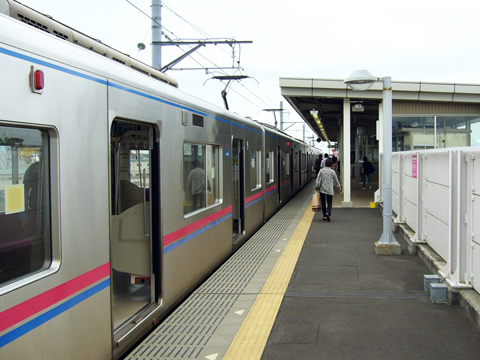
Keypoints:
pixel 14 199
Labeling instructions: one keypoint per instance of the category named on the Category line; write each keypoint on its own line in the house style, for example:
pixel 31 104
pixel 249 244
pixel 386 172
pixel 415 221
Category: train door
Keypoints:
pixel 238 195
pixel 133 197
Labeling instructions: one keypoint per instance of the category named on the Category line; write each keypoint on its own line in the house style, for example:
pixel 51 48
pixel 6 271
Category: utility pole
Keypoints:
pixel 157 43
pixel 156 34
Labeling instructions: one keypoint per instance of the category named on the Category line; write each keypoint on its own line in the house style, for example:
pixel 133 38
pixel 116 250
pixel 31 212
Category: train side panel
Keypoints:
pixel 254 162
pixel 68 296
pixel 123 210
pixel 197 236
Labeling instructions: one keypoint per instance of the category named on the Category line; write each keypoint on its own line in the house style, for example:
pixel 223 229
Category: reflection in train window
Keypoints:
pixel 295 163
pixel 25 245
pixel 255 170
pixel 201 180
pixel 269 168
pixel 287 163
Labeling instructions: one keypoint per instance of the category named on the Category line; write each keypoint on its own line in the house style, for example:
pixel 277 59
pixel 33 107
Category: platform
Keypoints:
pixel 302 288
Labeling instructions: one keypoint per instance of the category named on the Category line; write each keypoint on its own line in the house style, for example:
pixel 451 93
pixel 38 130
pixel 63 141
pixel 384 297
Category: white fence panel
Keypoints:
pixel 396 190
pixel 410 192
pixel 476 266
pixel 436 165
pixel 436 197
pixel 436 201
pixel 476 196
pixel 437 194
pixel 473 217
pixel 437 218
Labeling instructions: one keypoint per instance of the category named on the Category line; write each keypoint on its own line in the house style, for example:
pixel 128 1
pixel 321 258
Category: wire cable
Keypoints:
pixel 215 66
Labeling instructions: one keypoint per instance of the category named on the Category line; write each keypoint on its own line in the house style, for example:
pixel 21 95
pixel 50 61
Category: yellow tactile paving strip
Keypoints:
pixel 253 334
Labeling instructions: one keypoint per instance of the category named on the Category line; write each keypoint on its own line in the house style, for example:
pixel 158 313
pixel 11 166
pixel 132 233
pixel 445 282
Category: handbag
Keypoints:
pixel 316 204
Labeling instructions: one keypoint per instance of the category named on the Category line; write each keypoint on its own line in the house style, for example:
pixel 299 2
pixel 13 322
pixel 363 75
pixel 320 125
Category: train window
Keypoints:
pixel 197 120
pixel 256 169
pixel 287 163
pixel 25 240
pixel 140 168
pixel 201 179
pixel 295 163
pixel 269 167
pixel 213 174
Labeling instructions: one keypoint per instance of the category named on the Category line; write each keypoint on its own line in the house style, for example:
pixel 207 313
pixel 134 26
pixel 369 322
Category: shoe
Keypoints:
pixel 370 188
pixel 363 188
pixel 324 219
pixel 328 218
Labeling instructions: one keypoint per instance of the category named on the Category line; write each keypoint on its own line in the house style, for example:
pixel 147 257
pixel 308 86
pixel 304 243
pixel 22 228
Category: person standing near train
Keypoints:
pixel 196 185
pixel 324 161
pixel 326 180
pixel 318 162
pixel 367 169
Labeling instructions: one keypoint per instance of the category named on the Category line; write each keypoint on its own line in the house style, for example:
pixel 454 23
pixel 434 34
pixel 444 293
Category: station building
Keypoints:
pixel 425 115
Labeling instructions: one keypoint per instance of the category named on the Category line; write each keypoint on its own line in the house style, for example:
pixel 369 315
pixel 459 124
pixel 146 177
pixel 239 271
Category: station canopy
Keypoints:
pixel 327 97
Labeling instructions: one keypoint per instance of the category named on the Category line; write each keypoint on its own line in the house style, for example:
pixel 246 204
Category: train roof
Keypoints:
pixel 47 24
pixel 272 128
pixel 113 70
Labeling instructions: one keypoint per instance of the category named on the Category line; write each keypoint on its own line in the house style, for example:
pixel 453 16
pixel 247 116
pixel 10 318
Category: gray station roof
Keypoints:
pixel 327 96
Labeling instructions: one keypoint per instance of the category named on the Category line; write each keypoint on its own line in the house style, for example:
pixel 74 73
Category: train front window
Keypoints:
pixel 25 240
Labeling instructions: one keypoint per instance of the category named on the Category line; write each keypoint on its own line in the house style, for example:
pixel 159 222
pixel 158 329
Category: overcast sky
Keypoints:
pixel 409 40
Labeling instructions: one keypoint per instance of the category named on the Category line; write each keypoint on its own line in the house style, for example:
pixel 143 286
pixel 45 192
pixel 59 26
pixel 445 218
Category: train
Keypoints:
pixel 119 193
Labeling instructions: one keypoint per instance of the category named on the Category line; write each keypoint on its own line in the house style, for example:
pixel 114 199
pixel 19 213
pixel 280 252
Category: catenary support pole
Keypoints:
pixel 156 34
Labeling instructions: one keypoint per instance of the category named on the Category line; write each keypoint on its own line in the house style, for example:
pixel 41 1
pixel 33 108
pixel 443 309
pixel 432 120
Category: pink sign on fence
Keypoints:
pixel 414 166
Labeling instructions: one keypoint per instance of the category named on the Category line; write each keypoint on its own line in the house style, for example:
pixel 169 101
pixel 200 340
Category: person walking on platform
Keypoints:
pixel 326 180
pixel 367 169
pixel 322 164
pixel 317 164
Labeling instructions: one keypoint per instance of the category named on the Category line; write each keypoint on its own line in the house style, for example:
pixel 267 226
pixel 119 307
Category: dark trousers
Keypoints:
pixel 326 201
pixel 367 177
pixel 198 200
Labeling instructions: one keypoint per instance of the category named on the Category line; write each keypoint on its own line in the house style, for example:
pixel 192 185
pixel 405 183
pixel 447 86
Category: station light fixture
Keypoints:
pixel 361 80
pixel 317 119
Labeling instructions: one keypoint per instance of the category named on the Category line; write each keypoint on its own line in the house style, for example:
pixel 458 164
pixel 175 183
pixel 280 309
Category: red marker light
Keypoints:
pixel 39 80
pixel 288 143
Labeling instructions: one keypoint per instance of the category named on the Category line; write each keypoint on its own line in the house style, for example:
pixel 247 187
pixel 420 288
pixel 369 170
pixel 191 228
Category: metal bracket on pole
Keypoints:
pixel 177 60
pixel 198 43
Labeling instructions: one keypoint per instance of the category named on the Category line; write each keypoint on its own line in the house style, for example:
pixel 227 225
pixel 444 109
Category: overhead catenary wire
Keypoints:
pixel 170 35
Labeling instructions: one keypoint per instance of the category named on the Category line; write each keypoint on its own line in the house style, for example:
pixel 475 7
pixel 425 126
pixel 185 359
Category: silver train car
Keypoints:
pixel 119 193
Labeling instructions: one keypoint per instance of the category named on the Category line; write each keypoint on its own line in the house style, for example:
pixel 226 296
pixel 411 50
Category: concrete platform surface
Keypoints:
pixel 345 302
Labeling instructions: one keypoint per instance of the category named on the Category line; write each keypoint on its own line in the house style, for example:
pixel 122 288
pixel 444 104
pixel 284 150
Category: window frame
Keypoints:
pixel 287 163
pixel 218 196
pixel 255 171
pixel 50 152
pixel 270 160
